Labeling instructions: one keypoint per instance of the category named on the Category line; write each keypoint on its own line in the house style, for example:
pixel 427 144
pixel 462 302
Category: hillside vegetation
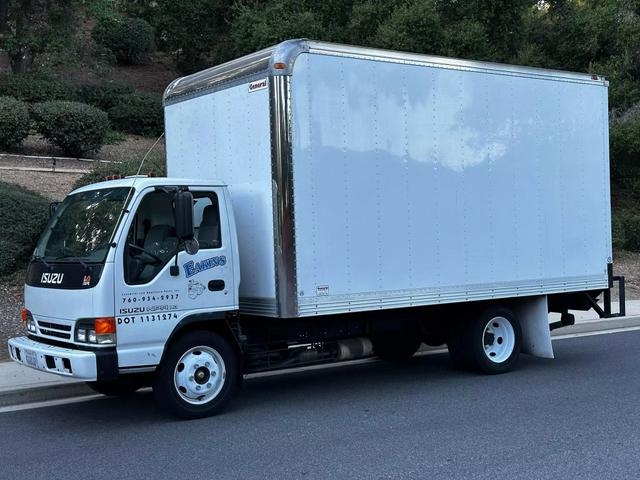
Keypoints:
pixel 85 73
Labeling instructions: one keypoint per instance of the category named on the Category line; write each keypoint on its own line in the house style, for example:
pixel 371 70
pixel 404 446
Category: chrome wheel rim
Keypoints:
pixel 199 375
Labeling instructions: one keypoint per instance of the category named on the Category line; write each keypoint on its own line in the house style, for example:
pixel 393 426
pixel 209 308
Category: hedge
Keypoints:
pixel 129 111
pixel 32 88
pixel 138 113
pixel 14 122
pixel 23 217
pixel 75 127
pixel 104 96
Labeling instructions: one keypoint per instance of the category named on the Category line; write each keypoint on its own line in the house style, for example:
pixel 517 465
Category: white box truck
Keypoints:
pixel 326 202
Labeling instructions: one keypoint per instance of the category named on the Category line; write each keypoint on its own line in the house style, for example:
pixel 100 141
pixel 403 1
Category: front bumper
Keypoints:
pixel 62 361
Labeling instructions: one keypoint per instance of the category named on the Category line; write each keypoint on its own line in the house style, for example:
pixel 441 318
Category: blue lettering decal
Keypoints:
pixel 191 268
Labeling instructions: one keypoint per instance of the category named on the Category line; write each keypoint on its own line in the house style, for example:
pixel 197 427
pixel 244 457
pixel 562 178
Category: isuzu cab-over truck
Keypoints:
pixel 326 202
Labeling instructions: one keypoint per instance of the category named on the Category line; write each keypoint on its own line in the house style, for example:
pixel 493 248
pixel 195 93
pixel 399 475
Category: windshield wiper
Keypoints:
pixel 39 258
pixel 74 257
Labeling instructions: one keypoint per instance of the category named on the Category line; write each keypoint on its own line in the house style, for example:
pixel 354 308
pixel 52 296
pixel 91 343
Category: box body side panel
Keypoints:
pixel 419 185
pixel 226 135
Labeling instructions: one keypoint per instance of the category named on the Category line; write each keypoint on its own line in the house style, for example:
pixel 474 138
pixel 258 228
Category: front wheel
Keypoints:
pixel 490 343
pixel 197 376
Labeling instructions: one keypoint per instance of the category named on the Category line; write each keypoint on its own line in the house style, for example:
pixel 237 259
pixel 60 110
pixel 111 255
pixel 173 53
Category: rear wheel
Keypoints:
pixel 197 376
pixel 490 343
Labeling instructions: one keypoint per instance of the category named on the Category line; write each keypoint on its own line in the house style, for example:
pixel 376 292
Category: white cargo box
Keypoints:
pixel 367 179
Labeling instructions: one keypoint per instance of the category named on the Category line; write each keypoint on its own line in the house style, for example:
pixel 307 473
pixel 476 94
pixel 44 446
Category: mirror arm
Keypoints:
pixel 174 270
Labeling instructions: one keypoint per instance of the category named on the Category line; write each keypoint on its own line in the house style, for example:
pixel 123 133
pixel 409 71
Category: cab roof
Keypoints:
pixel 141 183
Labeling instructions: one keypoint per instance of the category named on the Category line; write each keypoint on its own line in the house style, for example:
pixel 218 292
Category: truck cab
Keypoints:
pixel 114 279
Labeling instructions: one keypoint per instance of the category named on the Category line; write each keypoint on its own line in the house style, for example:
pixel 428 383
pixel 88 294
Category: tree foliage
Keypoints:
pixel 32 30
pixel 130 39
pixel 262 24
pixel 23 216
pixel 595 36
pixel 195 32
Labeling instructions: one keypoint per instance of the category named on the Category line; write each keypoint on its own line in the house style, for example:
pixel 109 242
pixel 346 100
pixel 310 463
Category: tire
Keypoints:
pixel 198 375
pixel 121 387
pixel 490 343
pixel 395 346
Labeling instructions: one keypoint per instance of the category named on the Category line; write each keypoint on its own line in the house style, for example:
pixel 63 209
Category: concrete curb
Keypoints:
pixel 40 393
pixel 46 170
pixel 19 384
pixel 48 158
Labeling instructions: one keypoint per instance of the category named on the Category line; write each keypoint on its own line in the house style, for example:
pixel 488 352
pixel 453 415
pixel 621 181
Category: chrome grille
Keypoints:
pixel 56 330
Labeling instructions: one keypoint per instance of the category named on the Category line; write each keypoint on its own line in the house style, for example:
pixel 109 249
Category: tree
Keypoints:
pixel 31 28
pixel 195 31
pixel 484 29
pixel 415 27
pixel 259 25
pixel 365 19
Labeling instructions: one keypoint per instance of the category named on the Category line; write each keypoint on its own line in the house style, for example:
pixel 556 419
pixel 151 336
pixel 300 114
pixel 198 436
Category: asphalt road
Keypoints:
pixel 573 417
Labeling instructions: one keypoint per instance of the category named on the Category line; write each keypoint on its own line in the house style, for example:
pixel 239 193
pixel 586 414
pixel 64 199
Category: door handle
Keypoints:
pixel 216 285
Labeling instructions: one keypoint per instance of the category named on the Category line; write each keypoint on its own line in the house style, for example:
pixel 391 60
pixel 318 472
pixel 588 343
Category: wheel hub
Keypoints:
pixel 202 375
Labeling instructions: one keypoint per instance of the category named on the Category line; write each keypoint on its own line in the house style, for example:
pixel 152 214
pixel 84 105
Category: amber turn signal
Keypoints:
pixel 105 325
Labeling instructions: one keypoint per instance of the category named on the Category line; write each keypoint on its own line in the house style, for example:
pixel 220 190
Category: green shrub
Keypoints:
pixel 617 232
pixel 631 226
pixel 154 165
pixel 625 230
pixel 131 112
pixel 130 39
pixel 624 140
pixel 138 113
pixel 14 122
pixel 75 127
pixel 32 88
pixel 103 96
pixel 22 218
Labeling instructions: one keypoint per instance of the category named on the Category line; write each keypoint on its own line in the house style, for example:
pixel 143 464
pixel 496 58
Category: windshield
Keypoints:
pixel 81 227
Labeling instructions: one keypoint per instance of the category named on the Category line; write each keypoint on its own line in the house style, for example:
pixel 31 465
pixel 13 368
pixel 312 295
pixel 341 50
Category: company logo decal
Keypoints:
pixel 86 280
pixel 322 290
pixel 52 278
pixel 259 85
pixel 195 289
pixel 191 267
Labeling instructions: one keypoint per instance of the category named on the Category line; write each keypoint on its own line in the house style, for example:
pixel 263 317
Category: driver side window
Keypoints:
pixel 206 220
pixel 151 240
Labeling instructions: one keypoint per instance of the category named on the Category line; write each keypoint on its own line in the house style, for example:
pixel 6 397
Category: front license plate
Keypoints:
pixel 30 358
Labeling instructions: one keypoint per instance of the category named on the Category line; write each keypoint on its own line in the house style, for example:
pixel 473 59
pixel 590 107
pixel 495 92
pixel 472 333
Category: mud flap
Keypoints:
pixel 534 321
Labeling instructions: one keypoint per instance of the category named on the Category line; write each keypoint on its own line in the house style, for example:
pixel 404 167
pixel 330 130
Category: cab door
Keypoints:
pixel 150 301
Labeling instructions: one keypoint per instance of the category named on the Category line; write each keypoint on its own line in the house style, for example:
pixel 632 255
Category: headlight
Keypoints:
pixel 27 318
pixel 97 331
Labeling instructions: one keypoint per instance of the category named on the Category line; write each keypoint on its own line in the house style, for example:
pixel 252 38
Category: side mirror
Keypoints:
pixel 183 212
pixel 191 246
